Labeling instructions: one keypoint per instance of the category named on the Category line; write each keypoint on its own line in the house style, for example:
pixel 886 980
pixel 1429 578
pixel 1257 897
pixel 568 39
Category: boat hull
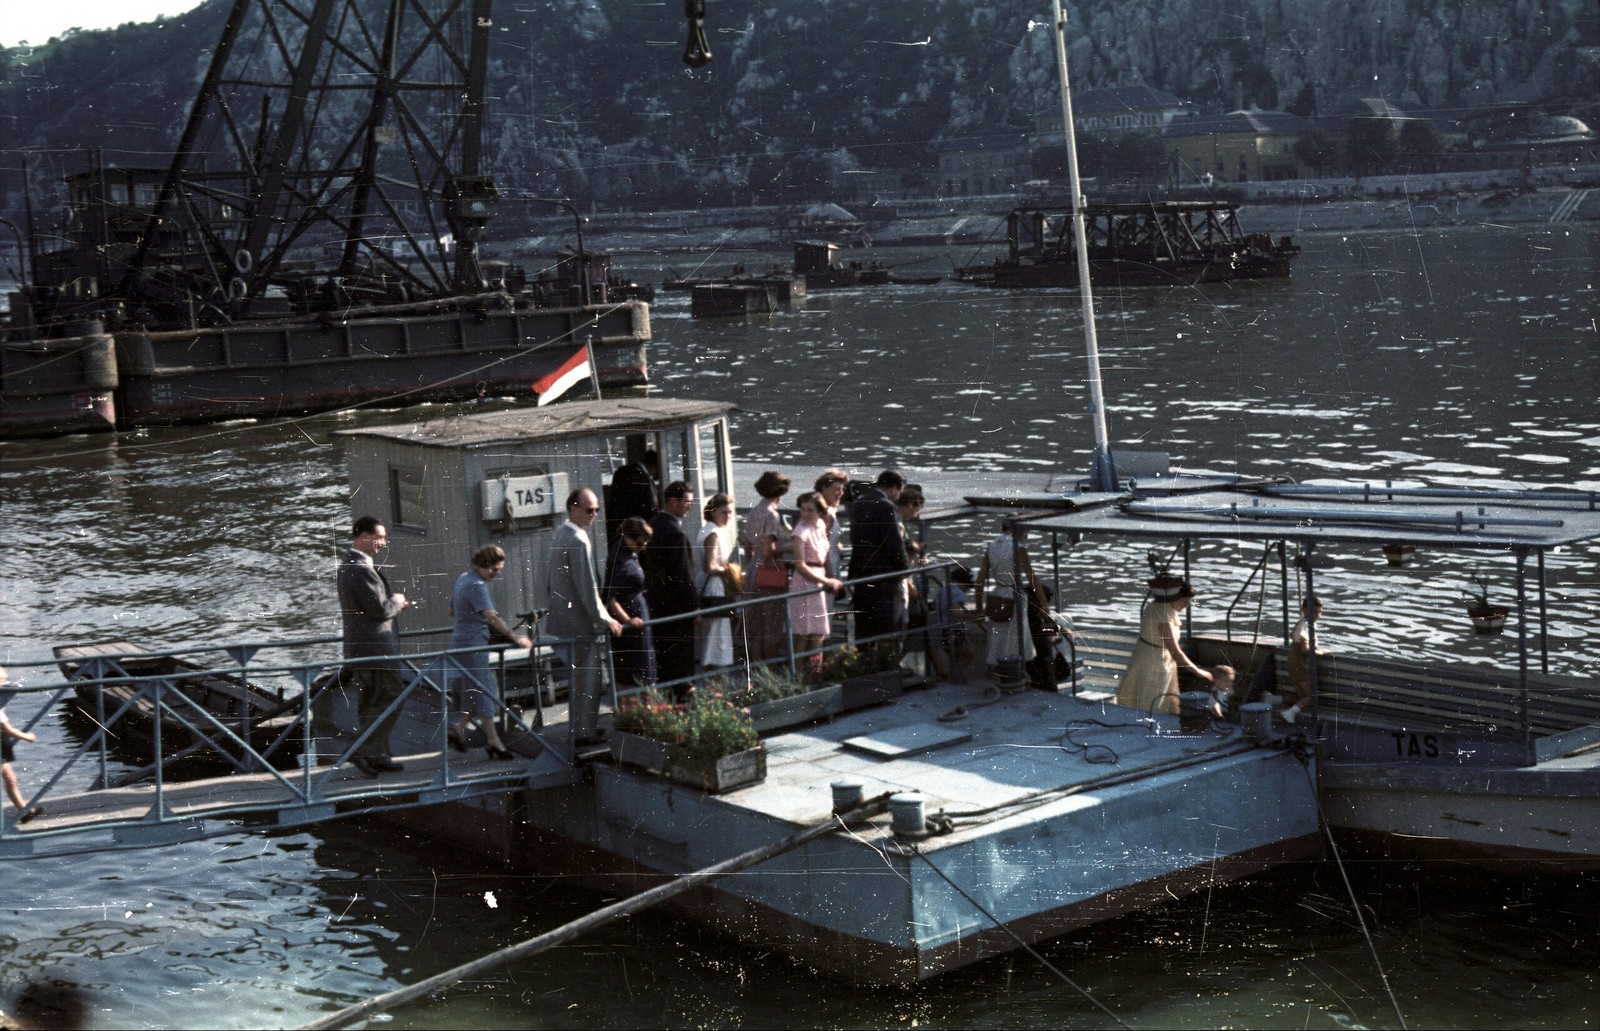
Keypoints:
pixel 1544 817
pixel 291 367
pixel 867 913
pixel 49 387
pixel 267 370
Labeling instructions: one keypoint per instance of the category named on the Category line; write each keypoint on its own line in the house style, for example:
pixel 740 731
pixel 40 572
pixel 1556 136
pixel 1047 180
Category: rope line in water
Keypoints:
pixel 1028 948
pixel 599 918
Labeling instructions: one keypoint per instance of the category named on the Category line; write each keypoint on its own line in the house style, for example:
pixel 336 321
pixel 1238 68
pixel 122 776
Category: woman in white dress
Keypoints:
pixel 1001 562
pixel 714 550
pixel 829 489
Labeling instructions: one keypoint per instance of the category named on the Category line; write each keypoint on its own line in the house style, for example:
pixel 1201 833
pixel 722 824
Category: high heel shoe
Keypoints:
pixel 457 740
pixel 502 754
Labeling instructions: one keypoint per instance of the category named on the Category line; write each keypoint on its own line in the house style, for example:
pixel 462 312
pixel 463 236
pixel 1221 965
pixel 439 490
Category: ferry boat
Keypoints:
pixel 1496 766
pixel 290 260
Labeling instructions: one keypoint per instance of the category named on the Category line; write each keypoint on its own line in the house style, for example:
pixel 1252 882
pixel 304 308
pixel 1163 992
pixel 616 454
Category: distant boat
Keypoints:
pixel 814 259
pixel 1156 243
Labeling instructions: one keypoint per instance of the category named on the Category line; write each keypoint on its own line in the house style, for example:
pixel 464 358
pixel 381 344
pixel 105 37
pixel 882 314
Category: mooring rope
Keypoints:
pixel 1355 905
pixel 599 918
pixel 1028 948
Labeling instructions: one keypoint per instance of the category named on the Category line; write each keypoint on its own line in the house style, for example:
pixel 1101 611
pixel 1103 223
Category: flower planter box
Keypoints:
pixel 871 689
pixel 712 775
pixel 820 704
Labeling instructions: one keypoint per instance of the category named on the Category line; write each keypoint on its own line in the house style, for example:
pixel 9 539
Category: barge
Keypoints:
pixel 1159 243
pixel 285 263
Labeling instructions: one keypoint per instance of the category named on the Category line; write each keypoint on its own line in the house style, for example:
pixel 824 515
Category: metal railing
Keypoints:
pixel 146 739
pixel 143 719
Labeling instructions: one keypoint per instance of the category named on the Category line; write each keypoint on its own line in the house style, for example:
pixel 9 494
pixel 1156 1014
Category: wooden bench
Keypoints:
pixel 1395 695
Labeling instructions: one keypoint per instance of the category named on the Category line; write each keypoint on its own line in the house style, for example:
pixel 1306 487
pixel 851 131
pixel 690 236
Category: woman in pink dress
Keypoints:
pixel 808 612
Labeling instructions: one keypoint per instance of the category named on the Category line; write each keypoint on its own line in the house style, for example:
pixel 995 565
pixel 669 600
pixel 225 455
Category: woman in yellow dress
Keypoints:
pixel 1150 682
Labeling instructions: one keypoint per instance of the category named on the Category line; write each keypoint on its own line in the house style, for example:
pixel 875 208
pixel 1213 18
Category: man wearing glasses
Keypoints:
pixel 577 616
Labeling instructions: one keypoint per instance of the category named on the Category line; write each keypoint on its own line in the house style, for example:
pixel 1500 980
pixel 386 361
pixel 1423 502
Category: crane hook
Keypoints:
pixel 698 53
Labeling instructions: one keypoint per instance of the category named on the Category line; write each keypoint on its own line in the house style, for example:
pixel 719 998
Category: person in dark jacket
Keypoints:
pixel 669 586
pixel 877 546
pixel 369 608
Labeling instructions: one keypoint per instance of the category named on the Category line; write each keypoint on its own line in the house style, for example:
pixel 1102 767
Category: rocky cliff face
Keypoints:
pixel 590 98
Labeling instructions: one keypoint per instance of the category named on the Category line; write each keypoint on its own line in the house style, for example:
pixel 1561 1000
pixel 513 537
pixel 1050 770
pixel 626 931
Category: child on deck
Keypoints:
pixel 1225 694
pixel 948 624
pixel 8 756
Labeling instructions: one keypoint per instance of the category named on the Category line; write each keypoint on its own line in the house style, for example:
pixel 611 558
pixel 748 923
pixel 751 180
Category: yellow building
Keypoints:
pixel 1238 147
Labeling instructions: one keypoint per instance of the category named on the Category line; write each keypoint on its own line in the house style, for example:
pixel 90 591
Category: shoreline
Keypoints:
pixel 936 224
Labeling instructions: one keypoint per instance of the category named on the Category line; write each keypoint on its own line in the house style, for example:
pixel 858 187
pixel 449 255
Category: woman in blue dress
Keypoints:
pixel 633 655
pixel 471 685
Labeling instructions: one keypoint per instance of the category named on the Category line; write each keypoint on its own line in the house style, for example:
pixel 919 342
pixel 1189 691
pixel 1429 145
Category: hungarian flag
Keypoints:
pixel 571 372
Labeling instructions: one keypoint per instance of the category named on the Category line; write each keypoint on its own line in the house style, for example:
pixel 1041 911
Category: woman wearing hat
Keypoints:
pixel 1150 682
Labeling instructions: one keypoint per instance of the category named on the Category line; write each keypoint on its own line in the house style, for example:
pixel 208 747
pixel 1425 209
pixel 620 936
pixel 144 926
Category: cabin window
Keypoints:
pixel 406 493
pixel 685 459
pixel 713 450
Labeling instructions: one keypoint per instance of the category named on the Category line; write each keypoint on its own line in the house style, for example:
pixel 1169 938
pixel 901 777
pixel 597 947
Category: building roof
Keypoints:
pixel 997 141
pixel 1117 99
pixel 1239 123
pixel 552 422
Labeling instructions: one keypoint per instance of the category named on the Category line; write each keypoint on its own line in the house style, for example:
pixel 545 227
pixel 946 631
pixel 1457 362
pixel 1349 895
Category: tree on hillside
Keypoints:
pixel 1372 146
pixel 1420 146
pixel 1318 150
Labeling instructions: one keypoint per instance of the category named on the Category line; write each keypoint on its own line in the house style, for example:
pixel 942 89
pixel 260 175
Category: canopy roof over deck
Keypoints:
pixel 1313 514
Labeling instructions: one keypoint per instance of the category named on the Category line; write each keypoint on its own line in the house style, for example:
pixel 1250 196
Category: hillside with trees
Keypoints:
pixel 590 99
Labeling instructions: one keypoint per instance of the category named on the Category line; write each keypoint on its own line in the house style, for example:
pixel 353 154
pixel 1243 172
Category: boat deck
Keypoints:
pixel 1048 813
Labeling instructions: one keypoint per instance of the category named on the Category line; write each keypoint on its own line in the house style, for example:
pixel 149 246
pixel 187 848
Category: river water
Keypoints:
pixel 1454 356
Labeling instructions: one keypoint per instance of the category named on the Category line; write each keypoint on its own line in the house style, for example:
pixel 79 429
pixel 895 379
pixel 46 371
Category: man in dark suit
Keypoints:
pixel 877 546
pixel 369 609
pixel 669 586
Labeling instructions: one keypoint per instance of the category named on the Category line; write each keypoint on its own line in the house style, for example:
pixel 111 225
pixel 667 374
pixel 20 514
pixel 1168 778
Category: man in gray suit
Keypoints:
pixel 369 609
pixel 577 616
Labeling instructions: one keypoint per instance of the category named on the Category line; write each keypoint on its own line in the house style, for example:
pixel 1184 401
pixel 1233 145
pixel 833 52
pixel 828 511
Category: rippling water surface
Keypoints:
pixel 1462 356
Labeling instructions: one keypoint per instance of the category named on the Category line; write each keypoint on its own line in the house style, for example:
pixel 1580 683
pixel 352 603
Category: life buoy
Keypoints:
pixel 243 261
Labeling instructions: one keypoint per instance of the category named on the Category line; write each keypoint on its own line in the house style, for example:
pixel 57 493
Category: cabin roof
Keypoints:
pixel 552 422
pixel 1476 519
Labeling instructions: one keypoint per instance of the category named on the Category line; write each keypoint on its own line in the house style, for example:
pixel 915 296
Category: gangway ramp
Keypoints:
pixel 146 815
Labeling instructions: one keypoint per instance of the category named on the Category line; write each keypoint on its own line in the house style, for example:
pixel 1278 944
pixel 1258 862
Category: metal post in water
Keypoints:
pixel 1102 470
pixel 1522 647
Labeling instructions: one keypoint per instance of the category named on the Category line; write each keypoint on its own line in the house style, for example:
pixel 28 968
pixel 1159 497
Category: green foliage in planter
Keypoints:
pixel 767 684
pixel 709 727
pixel 847 661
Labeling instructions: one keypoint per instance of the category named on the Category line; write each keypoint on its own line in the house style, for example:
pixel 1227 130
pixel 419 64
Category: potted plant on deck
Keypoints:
pixel 868 675
pixel 1486 618
pixel 708 743
pixel 776 699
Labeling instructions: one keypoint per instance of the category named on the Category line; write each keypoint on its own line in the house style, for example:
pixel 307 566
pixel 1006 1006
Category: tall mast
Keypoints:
pixel 1102 470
